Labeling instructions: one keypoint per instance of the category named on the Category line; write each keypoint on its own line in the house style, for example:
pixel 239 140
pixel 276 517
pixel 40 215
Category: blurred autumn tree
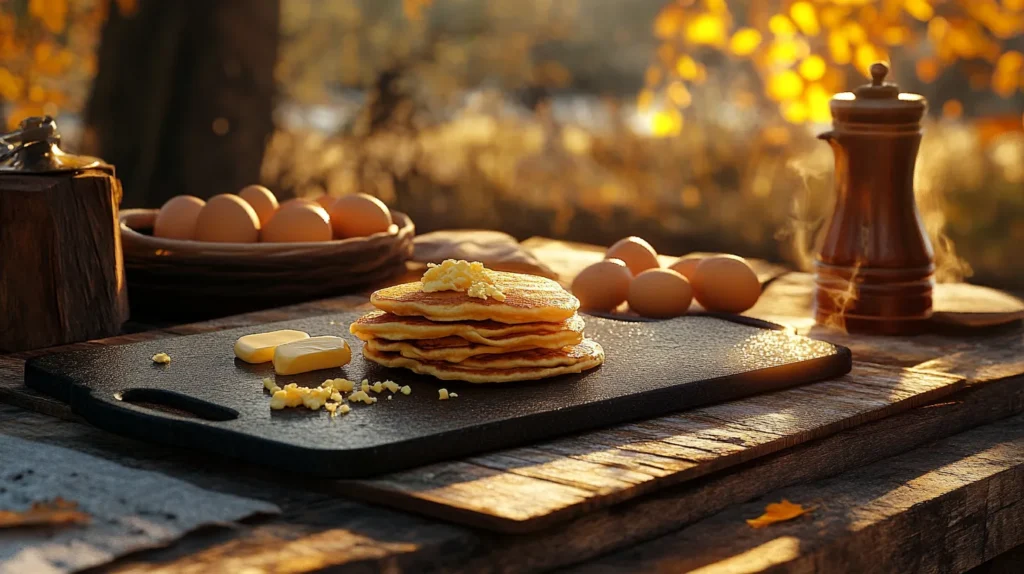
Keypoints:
pixel 802 50
pixel 182 93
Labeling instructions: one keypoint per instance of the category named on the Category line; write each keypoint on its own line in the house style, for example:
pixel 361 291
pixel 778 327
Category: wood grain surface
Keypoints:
pixel 321 529
pixel 944 508
pixel 532 487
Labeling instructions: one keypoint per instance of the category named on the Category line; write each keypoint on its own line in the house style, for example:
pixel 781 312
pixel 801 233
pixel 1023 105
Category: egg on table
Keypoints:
pixel 602 286
pixel 638 255
pixel 686 265
pixel 177 218
pixel 660 294
pixel 359 215
pixel 726 283
pixel 262 200
pixel 297 223
pixel 227 218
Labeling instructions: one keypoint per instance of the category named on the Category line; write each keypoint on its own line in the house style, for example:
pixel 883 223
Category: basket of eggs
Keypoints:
pixel 236 253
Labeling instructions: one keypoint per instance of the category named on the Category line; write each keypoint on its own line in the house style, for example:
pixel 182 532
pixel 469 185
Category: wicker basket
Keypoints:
pixel 194 279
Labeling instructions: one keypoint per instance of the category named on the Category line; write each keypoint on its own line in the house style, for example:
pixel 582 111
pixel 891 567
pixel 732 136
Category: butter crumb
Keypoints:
pixel 278 401
pixel 343 385
pixel 406 390
pixel 377 387
pixel 365 386
pixel 453 395
pixel 270 385
pixel 336 397
pixel 442 394
pixel 390 397
pixel 344 409
pixel 161 358
pixel 391 386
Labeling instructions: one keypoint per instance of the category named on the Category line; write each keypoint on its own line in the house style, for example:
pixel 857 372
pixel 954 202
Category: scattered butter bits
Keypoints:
pixel 442 394
pixel 329 395
pixel 343 385
pixel 161 358
pixel 778 512
pixel 278 401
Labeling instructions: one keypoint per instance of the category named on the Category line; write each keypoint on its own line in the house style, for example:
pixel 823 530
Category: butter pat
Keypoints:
pixel 311 354
pixel 472 278
pixel 259 347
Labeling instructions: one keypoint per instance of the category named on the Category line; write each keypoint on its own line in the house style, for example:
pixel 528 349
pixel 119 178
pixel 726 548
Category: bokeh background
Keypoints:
pixel 690 122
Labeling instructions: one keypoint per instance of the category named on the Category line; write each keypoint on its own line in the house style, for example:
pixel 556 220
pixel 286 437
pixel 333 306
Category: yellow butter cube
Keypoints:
pixel 442 394
pixel 311 354
pixel 406 390
pixel 259 347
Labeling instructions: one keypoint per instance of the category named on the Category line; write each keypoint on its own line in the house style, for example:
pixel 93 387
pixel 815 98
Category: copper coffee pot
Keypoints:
pixel 874 272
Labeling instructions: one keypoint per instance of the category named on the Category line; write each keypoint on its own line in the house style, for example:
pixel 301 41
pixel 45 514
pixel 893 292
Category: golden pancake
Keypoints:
pixel 456 349
pixel 528 299
pixel 381 325
pixel 586 355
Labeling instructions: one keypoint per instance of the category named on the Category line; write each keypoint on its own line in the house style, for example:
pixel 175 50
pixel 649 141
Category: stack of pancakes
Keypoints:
pixel 533 334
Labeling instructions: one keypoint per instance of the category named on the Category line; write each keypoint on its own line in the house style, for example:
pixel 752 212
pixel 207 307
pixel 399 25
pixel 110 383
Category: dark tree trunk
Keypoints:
pixel 183 97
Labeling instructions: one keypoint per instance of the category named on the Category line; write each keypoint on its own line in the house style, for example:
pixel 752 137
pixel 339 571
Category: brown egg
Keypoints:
pixel 686 265
pixel 296 200
pixel 326 201
pixel 227 218
pixel 726 283
pixel 297 223
pixel 602 286
pixel 262 200
pixel 177 218
pixel 359 215
pixel 660 294
pixel 637 253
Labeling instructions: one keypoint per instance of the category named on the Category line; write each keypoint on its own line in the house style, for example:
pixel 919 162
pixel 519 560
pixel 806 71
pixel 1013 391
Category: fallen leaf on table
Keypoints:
pixel 58 511
pixel 778 512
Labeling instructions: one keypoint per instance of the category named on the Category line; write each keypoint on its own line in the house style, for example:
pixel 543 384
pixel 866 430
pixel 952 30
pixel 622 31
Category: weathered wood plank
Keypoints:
pixel 945 507
pixel 412 544
pixel 490 492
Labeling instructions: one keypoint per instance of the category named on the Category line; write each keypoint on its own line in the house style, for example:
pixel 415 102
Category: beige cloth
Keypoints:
pixel 496 250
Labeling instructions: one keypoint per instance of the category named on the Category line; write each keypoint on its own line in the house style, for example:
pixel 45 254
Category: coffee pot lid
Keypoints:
pixel 879 102
pixel 35 148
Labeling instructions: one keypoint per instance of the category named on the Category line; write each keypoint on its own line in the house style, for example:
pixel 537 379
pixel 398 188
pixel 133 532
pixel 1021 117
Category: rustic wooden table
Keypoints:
pixel 914 462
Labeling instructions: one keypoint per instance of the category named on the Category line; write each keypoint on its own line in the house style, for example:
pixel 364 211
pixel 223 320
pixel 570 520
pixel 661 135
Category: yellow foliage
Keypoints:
pixel 920 9
pixel 813 68
pixel 745 41
pixel 803 50
pixel 707 30
pixel 679 95
pixel 52 13
pixel 786 85
pixel 804 16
